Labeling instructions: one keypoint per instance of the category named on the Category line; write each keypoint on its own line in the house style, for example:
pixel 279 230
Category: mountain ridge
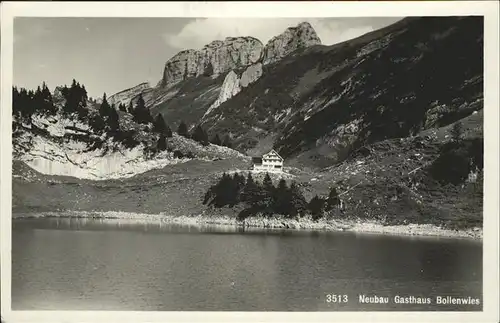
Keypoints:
pixel 207 67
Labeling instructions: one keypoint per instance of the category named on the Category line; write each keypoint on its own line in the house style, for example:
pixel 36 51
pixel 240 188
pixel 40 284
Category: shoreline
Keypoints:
pixel 305 224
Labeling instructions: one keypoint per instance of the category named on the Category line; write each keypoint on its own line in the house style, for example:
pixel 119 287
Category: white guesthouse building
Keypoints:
pixel 270 162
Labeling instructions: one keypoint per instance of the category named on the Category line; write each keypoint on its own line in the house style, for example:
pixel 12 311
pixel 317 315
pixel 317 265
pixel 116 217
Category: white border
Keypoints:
pixel 488 9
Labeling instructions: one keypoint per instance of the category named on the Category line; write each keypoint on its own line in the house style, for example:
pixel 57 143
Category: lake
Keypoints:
pixel 87 264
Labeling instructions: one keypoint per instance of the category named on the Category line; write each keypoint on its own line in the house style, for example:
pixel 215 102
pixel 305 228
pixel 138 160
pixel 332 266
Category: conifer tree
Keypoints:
pixel 141 112
pixel 97 123
pixel 105 108
pixel 162 143
pixel 48 104
pixel 227 142
pixel 200 135
pixel 130 108
pixel 298 203
pixel 159 126
pixel 182 130
pixel 268 191
pixel 281 198
pixel 113 121
pixel 250 191
pixel 316 207
pixel 333 199
pixel 216 140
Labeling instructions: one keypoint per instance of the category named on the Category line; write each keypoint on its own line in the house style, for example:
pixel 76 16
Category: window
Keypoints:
pixel 277 166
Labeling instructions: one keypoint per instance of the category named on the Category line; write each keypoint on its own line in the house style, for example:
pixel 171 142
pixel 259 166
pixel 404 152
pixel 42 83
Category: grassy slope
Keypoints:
pixel 173 190
pixel 395 81
pixel 374 186
pixel 192 99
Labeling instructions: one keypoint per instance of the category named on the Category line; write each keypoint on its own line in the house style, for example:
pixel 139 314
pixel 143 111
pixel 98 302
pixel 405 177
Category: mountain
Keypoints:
pixel 324 102
pixel 293 38
pixel 196 81
pixel 392 119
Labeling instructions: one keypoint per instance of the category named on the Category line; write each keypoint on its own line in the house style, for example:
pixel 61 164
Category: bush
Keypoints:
pixel 456 160
pixel 457 131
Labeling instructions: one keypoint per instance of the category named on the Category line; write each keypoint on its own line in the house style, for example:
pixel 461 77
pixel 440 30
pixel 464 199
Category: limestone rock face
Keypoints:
pixel 251 74
pixel 301 36
pixel 233 84
pixel 125 96
pixel 214 59
pixel 230 88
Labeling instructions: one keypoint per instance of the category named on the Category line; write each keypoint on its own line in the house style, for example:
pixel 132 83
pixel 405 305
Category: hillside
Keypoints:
pixel 195 81
pixel 393 120
pixel 394 184
pixel 321 103
pixel 72 136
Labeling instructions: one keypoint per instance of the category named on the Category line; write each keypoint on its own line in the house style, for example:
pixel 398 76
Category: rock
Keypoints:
pixel 293 38
pixel 124 97
pixel 214 59
pixel 251 74
pixel 230 88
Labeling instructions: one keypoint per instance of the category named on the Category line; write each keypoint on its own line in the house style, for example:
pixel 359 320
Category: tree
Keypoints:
pixel 200 135
pixel 216 140
pixel 457 131
pixel 141 113
pixel 130 108
pixel 250 192
pixel 161 144
pixel 227 142
pixel 298 204
pixel 48 103
pixel 316 207
pixel 182 130
pixel 281 198
pixel 333 199
pixel 268 191
pixel 159 126
pixel 113 120
pixel 97 123
pixel 105 108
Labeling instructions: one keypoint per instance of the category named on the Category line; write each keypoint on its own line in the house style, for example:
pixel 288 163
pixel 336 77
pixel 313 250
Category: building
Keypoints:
pixel 270 162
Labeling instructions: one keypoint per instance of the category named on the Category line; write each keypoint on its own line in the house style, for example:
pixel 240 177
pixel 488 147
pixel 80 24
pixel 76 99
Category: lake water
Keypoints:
pixel 79 264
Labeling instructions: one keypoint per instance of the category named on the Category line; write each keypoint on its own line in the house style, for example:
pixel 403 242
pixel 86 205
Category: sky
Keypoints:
pixel 112 54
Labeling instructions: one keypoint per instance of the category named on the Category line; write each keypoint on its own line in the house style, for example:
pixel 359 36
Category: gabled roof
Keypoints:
pixel 274 152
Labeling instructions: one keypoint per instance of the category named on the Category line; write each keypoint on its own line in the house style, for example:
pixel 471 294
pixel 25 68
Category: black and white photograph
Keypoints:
pixel 191 159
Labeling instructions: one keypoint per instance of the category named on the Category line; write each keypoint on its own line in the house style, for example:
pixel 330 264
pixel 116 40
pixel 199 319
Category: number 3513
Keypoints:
pixel 336 298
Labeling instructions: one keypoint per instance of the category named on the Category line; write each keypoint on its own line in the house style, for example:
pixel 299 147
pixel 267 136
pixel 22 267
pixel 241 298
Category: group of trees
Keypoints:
pixel 458 157
pixel 26 102
pixel 264 198
pixel 75 98
pixel 200 135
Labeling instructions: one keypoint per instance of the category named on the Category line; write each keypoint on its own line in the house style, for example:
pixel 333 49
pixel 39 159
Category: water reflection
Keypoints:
pixel 116 264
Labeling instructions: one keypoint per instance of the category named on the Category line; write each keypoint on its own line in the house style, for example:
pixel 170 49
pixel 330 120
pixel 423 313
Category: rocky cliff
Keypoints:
pixel 195 82
pixel 125 96
pixel 234 84
pixel 214 59
pixel 301 36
